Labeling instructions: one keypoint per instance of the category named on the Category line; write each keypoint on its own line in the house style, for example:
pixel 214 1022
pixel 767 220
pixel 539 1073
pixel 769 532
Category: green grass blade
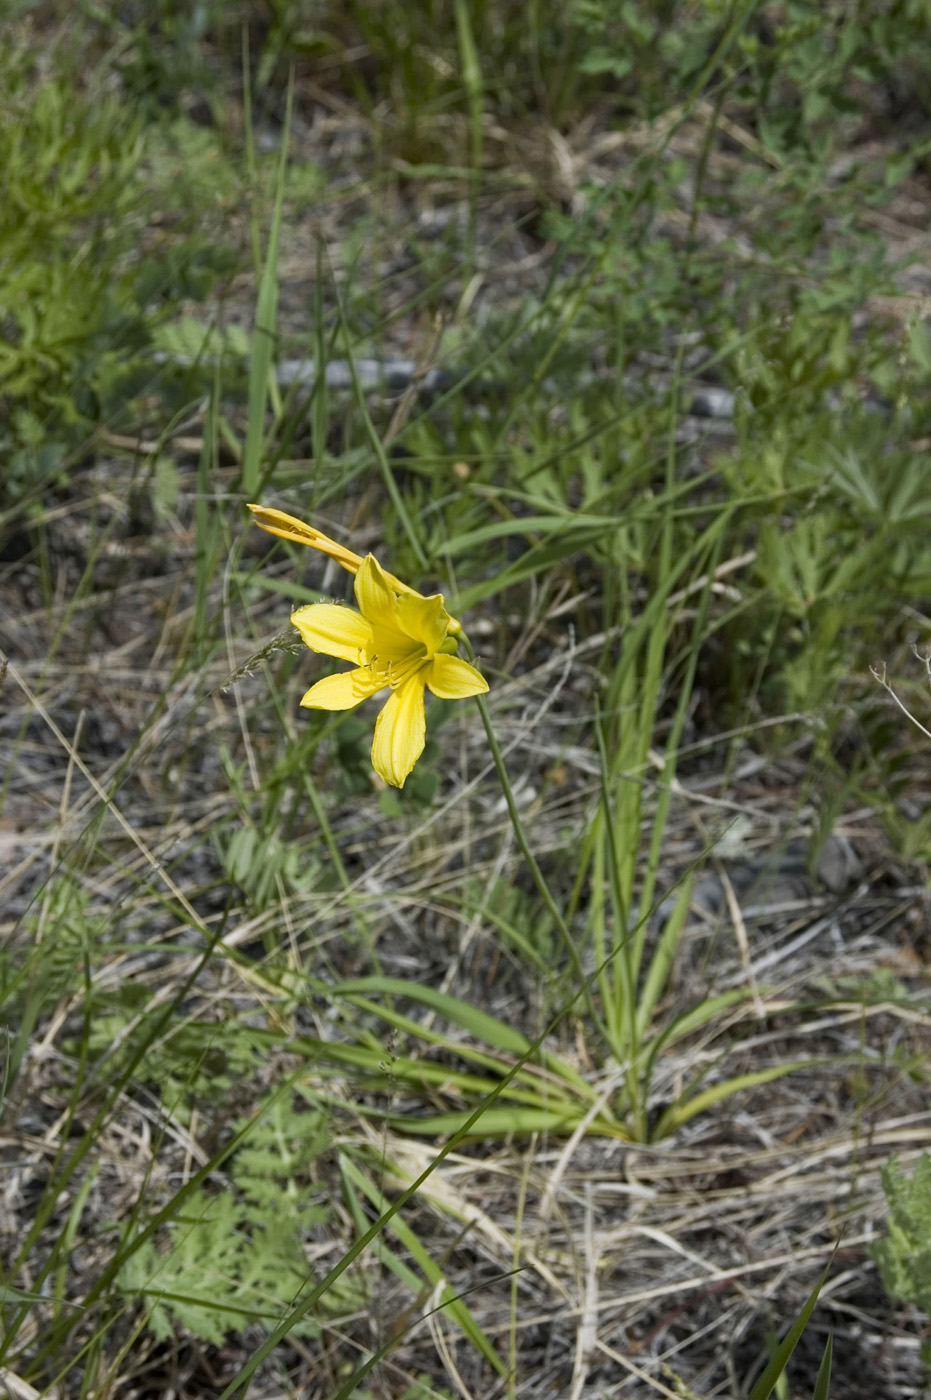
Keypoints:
pixel 429 1267
pixel 558 1118
pixel 381 456
pixel 266 324
pixel 472 81
pixel 664 957
pixel 823 1384
pixel 767 1381
pixel 688 1108
pixel 478 1023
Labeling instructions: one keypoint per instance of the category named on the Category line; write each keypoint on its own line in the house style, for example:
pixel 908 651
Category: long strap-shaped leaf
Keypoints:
pixel 766 1384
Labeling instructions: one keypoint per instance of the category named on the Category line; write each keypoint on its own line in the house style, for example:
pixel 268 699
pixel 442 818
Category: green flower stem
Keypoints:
pixel 531 860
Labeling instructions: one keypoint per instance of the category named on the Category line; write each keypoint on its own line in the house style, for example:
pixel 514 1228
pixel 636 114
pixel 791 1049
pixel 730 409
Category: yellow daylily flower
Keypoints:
pixel 398 639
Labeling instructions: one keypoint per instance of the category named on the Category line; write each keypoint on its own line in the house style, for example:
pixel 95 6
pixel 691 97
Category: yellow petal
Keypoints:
pixel 376 595
pixel 288 527
pixel 333 630
pixel 400 732
pixel 451 678
pixel 341 692
pixel 424 619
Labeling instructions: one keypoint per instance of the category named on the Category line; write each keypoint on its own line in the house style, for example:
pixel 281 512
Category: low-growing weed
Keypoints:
pixel 904 1255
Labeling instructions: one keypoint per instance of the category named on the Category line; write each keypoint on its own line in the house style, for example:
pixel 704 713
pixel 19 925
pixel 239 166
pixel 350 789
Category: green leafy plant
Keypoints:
pixel 904 1256
pixel 72 172
pixel 76 305
pixel 237 1255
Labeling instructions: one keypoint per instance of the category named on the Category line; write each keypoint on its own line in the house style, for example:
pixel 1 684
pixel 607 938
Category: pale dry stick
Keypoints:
pixel 843 1013
pixel 435 1325
pixel 778 955
pixel 407 1160
pixel 743 942
pixel 13 876
pixel 13 1387
pixel 893 1134
pixel 144 447
pixel 470 292
pixel 660 1237
pixel 924 657
pixel 548 1199
pixel 722 1322
pixel 741 135
pixel 638 1373
pixel 907 1144
pixel 108 802
pixel 818 1254
pixel 586 1336
pixel 394 907
pixel 60 825
pixel 741 732
pixel 879 674
pixel 729 566
pixel 751 767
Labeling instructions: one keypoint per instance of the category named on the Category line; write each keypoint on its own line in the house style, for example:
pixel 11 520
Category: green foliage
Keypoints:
pixel 191 1064
pixel 237 1255
pixel 848 539
pixel 77 302
pixel 188 341
pixel 793 68
pixel 65 934
pixel 622 37
pixel 264 866
pixel 904 1256
pixel 68 933
pixel 72 173
pixel 517 919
